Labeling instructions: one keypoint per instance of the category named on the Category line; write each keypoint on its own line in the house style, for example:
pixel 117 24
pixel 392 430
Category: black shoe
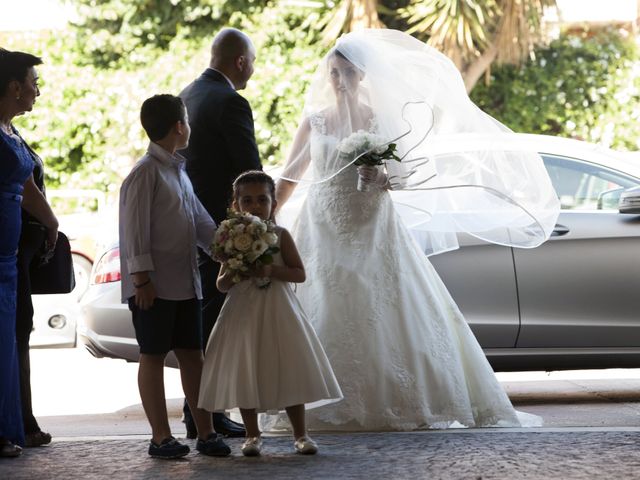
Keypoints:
pixel 8 449
pixel 192 431
pixel 37 439
pixel 187 419
pixel 168 448
pixel 227 427
pixel 213 446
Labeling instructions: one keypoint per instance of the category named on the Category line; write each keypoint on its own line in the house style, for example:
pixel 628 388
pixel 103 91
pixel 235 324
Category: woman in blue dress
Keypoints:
pixel 18 92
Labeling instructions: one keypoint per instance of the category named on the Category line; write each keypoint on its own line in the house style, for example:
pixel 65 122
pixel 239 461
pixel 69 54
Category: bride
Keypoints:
pixel 399 346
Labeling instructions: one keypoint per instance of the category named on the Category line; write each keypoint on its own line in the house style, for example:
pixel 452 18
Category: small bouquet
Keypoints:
pixel 374 149
pixel 244 241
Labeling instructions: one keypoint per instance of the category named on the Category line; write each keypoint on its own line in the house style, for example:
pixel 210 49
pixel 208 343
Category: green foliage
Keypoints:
pixel 71 125
pixel 388 10
pixel 144 34
pixel 463 24
pixel 581 86
pixel 85 124
pixel 288 54
pixel 122 33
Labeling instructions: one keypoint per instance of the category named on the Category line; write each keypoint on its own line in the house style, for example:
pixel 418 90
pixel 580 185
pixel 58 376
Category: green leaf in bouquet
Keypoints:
pixel 266 259
pixel 367 160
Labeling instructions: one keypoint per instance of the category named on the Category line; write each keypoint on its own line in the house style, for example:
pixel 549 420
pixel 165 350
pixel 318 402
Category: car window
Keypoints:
pixel 585 186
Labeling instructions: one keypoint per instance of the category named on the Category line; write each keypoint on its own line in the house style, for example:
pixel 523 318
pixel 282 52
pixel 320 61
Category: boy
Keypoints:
pixel 161 224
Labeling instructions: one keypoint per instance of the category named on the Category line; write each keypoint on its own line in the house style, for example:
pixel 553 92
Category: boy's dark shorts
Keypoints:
pixel 167 325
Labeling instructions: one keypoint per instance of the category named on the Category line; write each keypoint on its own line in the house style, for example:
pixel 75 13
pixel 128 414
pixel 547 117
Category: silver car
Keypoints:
pixel 571 303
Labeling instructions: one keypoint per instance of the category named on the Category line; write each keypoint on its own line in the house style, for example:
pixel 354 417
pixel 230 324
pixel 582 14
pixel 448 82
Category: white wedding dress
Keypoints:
pixel 400 348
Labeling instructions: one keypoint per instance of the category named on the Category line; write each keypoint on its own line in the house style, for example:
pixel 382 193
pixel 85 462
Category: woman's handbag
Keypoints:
pixel 56 275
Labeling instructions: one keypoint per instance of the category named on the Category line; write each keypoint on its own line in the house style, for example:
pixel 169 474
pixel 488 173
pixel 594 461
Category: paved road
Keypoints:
pixel 592 427
pixel 430 455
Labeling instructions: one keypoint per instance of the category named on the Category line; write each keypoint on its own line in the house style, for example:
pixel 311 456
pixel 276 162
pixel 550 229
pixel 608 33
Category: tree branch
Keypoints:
pixel 474 70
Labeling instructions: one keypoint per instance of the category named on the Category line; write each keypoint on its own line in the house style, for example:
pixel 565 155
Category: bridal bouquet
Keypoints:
pixel 370 149
pixel 244 241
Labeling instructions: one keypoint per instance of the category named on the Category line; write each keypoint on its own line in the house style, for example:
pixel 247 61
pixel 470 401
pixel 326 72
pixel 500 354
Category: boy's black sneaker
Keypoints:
pixel 213 446
pixel 168 448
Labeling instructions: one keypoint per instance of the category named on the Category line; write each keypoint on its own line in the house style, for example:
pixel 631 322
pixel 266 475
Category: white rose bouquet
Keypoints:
pixel 372 148
pixel 244 241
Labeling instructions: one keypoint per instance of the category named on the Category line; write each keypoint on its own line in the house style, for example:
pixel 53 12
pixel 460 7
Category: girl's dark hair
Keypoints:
pixel 160 113
pixel 254 176
pixel 15 66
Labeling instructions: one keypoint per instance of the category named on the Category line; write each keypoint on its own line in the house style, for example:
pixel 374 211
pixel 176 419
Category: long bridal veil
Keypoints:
pixel 461 170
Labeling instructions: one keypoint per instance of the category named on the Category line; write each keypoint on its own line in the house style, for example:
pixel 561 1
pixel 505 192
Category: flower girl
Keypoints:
pixel 263 355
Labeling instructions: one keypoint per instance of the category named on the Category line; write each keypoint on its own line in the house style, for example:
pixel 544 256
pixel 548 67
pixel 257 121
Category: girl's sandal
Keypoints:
pixel 305 446
pixel 252 446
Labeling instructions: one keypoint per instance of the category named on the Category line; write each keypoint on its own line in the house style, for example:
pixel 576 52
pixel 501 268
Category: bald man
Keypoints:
pixel 221 147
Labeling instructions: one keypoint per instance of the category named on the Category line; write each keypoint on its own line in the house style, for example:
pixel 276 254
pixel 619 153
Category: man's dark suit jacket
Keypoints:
pixel 222 143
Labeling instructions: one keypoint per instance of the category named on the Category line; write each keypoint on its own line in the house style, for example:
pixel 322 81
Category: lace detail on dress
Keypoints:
pixel 373 124
pixel 318 123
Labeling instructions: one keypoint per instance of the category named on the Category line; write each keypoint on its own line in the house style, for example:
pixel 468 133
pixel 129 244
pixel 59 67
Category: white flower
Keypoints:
pixel 353 143
pixel 251 229
pixel 234 264
pixel 252 218
pixel 381 146
pixel 360 142
pixel 242 242
pixel 259 247
pixel 230 223
pixel 270 238
pixel 228 246
pixel 260 227
pixel 345 146
pixel 239 228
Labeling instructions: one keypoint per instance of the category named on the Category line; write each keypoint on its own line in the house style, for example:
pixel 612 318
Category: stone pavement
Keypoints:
pixel 92 408
pixel 453 454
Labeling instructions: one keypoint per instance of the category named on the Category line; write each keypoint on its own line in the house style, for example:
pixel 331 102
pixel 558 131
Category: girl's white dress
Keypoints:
pixel 264 354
